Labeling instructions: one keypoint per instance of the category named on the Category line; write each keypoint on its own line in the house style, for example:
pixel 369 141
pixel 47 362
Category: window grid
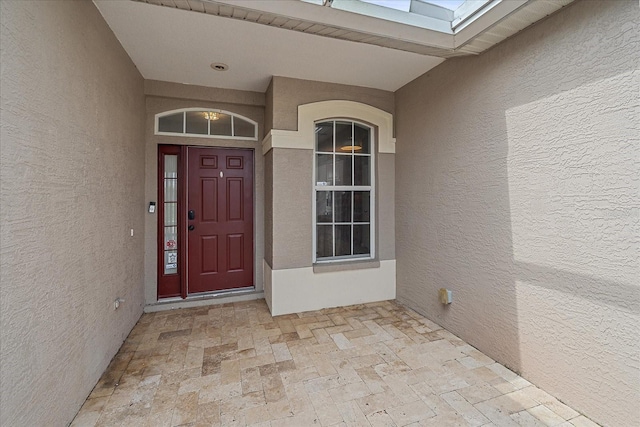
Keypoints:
pixel 170 200
pixel 329 186
pixel 183 113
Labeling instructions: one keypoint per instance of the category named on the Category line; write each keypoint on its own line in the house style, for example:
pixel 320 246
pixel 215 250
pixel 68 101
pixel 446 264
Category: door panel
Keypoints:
pixel 209 254
pixel 235 199
pixel 235 250
pixel 220 236
pixel 209 197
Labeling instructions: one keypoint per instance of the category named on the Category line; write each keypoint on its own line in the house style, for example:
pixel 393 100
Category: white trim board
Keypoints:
pixel 297 290
pixel 308 114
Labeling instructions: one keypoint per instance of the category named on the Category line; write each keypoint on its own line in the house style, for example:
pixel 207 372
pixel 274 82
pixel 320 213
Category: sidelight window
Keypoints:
pixel 343 183
pixel 170 213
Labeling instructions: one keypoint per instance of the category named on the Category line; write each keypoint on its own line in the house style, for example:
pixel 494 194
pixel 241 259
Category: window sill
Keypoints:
pixel 329 267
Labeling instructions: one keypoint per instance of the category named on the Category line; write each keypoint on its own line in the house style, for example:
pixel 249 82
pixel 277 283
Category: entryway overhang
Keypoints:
pixel 424 27
pixel 352 42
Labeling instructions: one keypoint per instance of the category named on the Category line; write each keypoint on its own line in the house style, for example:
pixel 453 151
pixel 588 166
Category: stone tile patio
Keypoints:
pixel 377 364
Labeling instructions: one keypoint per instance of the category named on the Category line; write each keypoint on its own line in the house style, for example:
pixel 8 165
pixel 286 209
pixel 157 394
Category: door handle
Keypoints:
pixel 191 227
pixel 192 215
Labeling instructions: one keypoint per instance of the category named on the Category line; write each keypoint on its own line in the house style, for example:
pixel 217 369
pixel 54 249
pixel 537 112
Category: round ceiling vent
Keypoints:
pixel 219 66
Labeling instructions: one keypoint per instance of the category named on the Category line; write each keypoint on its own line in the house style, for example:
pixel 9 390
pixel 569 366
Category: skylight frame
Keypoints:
pixel 422 13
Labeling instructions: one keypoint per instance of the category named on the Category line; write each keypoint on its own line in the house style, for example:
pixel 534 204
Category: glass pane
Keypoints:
pixel 171 238
pixel 170 262
pixel 324 206
pixel 170 214
pixel 343 240
pixel 324 169
pixel 172 123
pixel 344 137
pixel 243 128
pixel 324 241
pixel 170 190
pixel 170 166
pixel 361 170
pixel 221 124
pixel 361 136
pixel 197 122
pixel 343 206
pixel 361 239
pixel 361 206
pixel 343 170
pixel 324 136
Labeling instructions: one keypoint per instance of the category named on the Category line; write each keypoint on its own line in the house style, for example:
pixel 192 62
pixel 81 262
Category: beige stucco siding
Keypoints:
pixel 268 207
pixel 163 96
pixel 286 94
pixel 72 173
pixel 386 206
pixel 268 108
pixel 292 207
pixel 517 188
pixel 203 93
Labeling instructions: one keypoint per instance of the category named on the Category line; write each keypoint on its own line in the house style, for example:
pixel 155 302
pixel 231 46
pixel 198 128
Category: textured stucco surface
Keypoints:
pixel 518 188
pixel 72 180
pixel 386 206
pixel 203 93
pixel 268 207
pixel 268 109
pixel 291 202
pixel 159 103
pixel 286 94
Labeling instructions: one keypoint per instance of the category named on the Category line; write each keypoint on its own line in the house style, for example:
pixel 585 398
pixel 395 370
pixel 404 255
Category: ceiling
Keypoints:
pixel 179 46
pixel 349 41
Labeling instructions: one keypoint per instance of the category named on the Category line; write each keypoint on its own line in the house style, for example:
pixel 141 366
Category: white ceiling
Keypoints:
pixel 179 46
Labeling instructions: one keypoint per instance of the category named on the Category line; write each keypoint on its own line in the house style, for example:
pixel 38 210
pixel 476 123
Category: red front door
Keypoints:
pixel 219 219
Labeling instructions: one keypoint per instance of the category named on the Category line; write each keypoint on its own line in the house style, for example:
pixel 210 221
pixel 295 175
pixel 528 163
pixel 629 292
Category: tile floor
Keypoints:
pixel 377 364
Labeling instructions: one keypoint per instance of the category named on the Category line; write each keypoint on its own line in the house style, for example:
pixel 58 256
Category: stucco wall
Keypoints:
pixel 72 173
pixel 517 187
pixel 291 217
pixel 268 207
pixel 286 94
pixel 164 96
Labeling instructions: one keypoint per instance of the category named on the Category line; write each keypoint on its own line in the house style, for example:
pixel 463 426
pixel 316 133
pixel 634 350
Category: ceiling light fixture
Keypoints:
pixel 219 66
pixel 350 146
pixel 211 115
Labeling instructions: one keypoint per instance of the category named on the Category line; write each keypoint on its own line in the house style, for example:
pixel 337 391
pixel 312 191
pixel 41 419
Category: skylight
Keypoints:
pixel 440 15
pixel 405 5
pixel 447 4
pixel 402 5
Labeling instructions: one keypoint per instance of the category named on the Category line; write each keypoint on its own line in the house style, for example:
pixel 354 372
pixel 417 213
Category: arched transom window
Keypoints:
pixel 206 123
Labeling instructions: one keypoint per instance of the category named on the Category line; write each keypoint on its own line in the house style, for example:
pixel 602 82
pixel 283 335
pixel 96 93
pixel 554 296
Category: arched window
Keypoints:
pixel 343 185
pixel 206 123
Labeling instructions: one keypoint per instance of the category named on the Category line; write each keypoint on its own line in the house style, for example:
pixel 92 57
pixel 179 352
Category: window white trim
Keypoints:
pixel 370 188
pixel 308 114
pixel 184 111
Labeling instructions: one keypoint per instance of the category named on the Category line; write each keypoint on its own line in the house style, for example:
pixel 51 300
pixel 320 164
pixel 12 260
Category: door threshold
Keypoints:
pixel 203 299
